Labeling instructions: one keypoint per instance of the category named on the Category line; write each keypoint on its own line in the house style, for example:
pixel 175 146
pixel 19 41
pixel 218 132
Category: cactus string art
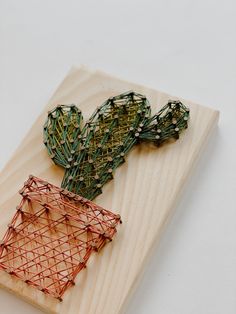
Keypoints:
pixel 55 229
pixel 91 153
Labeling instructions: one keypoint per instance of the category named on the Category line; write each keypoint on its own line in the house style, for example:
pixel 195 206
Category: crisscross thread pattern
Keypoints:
pixel 90 154
pixel 52 236
pixel 54 231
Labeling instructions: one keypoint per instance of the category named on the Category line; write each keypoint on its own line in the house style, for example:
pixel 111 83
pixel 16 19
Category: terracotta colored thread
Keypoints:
pixel 52 236
pixel 54 231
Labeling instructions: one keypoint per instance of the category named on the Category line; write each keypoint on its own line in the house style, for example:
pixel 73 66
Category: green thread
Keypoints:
pixel 90 154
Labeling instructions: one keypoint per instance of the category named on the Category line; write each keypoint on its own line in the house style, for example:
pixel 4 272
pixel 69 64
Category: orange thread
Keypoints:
pixel 52 236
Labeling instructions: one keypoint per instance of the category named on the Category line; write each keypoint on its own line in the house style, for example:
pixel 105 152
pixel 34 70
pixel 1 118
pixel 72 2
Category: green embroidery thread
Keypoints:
pixel 91 153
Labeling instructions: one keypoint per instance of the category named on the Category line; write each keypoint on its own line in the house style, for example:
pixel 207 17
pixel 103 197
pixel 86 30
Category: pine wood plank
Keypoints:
pixel 144 191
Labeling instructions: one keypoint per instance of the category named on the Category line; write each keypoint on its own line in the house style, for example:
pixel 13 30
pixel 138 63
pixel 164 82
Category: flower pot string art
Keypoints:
pixel 55 229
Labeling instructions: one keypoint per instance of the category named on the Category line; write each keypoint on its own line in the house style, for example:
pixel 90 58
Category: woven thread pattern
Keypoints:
pixel 52 236
pixel 54 230
pixel 94 151
pixel 62 131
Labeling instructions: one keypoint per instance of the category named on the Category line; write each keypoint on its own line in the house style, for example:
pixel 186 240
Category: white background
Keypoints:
pixel 186 48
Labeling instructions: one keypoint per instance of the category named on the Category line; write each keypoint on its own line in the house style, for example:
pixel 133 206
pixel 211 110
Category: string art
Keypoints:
pixel 55 230
pixel 52 236
pixel 91 153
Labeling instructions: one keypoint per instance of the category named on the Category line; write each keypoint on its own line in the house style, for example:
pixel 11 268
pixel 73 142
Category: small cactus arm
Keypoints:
pixel 61 134
pixel 91 153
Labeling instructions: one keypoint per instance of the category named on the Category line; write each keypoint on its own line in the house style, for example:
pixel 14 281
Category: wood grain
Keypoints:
pixel 144 191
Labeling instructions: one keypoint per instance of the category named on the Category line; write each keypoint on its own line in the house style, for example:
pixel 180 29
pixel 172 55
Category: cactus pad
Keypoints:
pixel 62 130
pixel 90 154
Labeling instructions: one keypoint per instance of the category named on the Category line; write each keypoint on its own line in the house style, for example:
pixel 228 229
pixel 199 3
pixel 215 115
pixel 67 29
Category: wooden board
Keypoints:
pixel 144 191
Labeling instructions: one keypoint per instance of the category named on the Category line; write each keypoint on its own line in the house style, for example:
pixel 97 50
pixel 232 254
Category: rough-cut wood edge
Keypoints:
pixel 25 297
